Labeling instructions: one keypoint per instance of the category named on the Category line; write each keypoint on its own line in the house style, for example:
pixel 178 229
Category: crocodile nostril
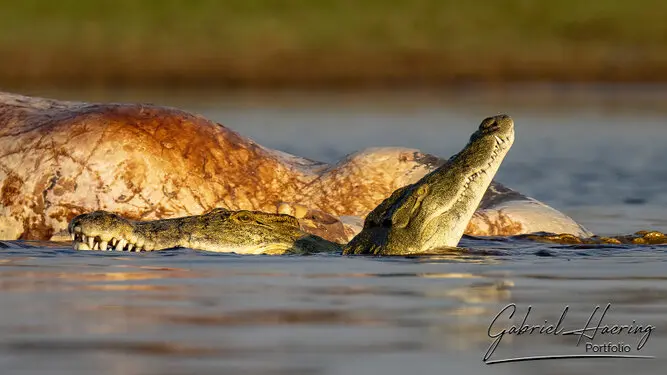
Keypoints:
pixel 489 124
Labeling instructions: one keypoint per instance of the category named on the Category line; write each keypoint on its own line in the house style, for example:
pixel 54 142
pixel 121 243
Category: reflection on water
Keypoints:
pixel 189 312
pixel 598 157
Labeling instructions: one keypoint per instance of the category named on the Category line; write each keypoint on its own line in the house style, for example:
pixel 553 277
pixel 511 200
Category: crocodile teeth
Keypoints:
pixel 81 241
pixel 120 245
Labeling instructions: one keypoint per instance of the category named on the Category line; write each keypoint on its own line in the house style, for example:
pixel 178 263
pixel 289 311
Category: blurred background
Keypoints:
pixel 584 80
pixel 330 43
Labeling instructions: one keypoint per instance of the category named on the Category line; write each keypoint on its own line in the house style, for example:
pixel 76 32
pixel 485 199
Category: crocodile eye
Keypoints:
pixel 243 217
pixel 422 190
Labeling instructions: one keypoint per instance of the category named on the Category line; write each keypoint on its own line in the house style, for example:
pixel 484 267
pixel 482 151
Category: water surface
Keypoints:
pixel 596 154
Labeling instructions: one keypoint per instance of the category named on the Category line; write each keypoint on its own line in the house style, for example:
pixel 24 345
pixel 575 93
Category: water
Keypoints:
pixel 597 154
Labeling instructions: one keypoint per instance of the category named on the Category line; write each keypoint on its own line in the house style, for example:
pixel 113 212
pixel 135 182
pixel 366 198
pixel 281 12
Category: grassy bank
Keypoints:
pixel 327 42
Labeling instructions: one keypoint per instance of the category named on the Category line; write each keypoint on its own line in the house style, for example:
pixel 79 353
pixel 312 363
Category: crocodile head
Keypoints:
pixel 220 230
pixel 433 212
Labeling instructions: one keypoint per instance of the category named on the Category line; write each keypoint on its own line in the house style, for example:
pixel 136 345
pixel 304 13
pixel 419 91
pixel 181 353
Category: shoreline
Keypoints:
pixel 325 70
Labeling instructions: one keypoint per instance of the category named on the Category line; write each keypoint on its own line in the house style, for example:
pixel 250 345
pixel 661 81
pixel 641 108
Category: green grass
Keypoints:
pixel 285 42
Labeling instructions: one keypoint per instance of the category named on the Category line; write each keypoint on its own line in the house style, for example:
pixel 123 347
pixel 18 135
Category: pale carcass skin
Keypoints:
pixel 61 159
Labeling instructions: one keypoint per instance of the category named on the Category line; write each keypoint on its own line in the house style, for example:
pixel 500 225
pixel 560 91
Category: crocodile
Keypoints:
pixel 61 159
pixel 426 216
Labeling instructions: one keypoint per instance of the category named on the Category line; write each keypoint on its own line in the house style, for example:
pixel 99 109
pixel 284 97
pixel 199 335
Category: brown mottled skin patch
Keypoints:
pixel 362 180
pixel 144 162
pixel 324 225
pixel 11 188
pixel 484 223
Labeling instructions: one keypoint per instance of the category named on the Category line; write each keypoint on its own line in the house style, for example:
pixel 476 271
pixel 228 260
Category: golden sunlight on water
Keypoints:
pixel 183 312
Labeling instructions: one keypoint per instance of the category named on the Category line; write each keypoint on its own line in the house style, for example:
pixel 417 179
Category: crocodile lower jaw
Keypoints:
pixel 82 242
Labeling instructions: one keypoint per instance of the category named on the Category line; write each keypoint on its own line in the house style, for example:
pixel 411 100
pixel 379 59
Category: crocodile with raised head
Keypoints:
pixel 145 162
pixel 422 217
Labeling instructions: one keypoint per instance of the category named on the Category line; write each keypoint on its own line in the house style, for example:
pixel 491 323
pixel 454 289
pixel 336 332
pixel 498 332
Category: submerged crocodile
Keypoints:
pixel 144 162
pixel 419 218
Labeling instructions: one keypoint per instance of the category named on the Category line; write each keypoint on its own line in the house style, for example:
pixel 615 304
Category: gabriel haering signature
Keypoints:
pixel 502 325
